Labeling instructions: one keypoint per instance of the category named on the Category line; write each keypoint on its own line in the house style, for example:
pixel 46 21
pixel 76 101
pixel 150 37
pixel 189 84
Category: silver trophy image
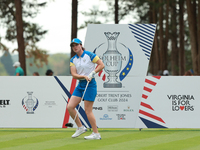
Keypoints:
pixel 30 103
pixel 112 60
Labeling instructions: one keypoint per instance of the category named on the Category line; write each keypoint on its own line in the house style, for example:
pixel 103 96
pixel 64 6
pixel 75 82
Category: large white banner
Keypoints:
pixel 40 102
pixel 170 102
pixel 125 51
pixel 36 102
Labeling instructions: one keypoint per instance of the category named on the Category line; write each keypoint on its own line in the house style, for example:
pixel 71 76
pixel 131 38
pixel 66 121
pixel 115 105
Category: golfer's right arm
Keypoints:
pixel 75 75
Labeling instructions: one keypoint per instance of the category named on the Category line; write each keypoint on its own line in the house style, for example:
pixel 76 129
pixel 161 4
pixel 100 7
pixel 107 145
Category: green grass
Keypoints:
pixel 112 139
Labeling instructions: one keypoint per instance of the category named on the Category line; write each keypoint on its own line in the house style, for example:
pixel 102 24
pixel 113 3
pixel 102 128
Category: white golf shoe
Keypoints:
pixel 79 131
pixel 93 136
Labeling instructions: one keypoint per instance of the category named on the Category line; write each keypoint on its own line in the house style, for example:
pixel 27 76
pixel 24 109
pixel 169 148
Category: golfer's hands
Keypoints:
pixel 91 75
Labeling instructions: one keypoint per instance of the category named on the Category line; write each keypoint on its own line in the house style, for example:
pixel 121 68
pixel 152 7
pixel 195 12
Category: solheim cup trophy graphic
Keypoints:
pixel 112 60
pixel 30 103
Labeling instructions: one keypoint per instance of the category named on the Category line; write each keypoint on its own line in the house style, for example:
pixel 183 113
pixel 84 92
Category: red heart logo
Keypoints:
pixel 182 107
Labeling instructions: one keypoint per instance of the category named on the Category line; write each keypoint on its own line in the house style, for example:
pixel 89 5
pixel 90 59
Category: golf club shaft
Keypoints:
pixel 81 99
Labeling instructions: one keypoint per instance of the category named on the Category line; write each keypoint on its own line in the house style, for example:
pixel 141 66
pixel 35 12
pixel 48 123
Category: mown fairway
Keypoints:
pixel 112 139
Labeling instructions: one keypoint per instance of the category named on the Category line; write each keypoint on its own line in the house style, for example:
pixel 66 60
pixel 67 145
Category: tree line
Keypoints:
pixel 176 45
pixel 56 62
pixel 14 15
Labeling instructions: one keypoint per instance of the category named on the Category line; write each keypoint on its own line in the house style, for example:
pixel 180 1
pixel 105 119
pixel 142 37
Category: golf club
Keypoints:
pixel 71 124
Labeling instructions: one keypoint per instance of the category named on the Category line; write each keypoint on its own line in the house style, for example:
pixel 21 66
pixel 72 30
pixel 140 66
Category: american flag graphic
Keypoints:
pixel 23 104
pixel 81 110
pixel 146 112
pixel 102 74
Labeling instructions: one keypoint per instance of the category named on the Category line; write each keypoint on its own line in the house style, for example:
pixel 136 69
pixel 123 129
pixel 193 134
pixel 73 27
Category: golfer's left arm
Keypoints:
pixel 100 65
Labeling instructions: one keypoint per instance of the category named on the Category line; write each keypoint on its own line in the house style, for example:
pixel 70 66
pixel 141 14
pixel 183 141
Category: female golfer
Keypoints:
pixel 82 67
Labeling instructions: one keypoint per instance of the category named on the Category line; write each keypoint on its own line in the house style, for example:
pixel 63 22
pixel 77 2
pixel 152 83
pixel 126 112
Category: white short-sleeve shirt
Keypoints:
pixel 84 64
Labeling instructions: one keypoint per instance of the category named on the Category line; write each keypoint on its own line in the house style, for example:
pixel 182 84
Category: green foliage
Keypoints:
pixel 97 16
pixel 142 8
pixel 29 10
pixel 33 33
pixel 7 61
pixel 125 8
pixel 39 56
pixel 188 60
pixel 145 11
pixel 2 70
pixel 2 46
pixel 92 18
pixel 58 63
pixel 31 67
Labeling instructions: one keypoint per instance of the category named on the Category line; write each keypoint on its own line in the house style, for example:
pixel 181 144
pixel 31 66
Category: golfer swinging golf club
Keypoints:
pixel 82 67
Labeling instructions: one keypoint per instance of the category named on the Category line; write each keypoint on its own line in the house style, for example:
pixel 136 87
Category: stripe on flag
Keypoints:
pixel 146 109
pixel 144 34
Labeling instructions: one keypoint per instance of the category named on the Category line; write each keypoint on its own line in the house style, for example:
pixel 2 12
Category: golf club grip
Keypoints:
pixel 81 99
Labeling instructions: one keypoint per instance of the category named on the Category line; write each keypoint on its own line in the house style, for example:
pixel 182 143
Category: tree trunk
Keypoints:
pixel 166 39
pixel 198 28
pixel 174 53
pixel 181 39
pixel 20 38
pixel 116 12
pixel 74 22
pixel 193 34
pixel 151 61
pixel 161 45
pixel 155 52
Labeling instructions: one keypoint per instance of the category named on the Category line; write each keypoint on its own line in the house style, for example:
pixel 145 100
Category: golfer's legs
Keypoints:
pixel 90 115
pixel 74 101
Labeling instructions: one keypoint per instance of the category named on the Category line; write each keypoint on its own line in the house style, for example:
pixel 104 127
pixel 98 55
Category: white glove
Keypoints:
pixel 92 74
